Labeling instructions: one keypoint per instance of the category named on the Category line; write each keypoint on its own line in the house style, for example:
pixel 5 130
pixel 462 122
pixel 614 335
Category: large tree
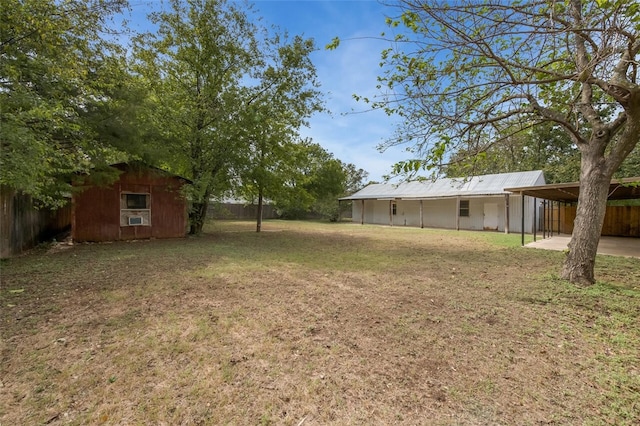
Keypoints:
pixel 66 98
pixel 316 183
pixel 276 107
pixel 219 82
pixel 472 74
pixel 330 180
pixel 193 65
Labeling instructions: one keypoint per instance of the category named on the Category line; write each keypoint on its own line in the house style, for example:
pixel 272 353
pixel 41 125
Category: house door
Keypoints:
pixel 491 217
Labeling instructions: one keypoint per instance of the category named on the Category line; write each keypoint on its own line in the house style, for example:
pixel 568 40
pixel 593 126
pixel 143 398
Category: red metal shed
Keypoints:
pixel 145 202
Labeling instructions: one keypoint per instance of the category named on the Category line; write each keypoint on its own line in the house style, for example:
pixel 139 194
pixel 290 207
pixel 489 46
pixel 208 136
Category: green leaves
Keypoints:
pixel 467 77
pixel 335 43
pixel 408 167
pixel 59 83
pixel 229 96
pixel 315 182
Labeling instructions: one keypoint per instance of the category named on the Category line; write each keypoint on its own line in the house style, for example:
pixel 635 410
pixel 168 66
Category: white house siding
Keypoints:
pixel 515 213
pixel 442 213
pixel 407 213
pixel 356 211
pixel 375 211
pixel 475 221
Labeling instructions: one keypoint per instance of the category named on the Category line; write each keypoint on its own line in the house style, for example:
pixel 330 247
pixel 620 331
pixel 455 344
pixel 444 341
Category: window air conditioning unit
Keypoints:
pixel 135 220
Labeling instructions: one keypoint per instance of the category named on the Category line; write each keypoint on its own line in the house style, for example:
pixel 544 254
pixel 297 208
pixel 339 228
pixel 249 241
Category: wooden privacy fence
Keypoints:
pixel 239 211
pixel 22 226
pixel 619 221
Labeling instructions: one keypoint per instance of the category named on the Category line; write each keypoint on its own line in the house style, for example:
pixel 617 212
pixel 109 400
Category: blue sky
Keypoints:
pixel 352 136
pixel 350 69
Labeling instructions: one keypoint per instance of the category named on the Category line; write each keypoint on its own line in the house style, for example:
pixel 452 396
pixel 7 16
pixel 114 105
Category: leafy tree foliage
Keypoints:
pixel 227 94
pixel 66 99
pixel 193 66
pixel 209 94
pixel 544 147
pixel 631 165
pixel 353 180
pixel 468 75
pixel 277 106
pixel 318 183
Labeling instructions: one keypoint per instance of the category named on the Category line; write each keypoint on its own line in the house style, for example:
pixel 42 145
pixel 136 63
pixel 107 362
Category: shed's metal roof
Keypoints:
pixel 450 187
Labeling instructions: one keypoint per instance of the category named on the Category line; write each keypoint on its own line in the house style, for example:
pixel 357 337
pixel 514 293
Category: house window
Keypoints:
pixel 464 208
pixel 135 209
pixel 394 208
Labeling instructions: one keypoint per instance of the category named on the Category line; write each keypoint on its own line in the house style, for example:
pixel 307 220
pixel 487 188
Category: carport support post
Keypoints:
pixel 549 207
pixel 421 216
pixel 551 217
pixel 362 213
pixel 544 220
pixel 522 229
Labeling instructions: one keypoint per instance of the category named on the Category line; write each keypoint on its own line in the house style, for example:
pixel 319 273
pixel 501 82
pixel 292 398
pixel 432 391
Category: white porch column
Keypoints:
pixel 506 213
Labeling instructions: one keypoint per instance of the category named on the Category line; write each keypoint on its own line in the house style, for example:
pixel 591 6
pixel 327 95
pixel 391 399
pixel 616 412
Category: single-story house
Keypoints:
pixel 475 203
pixel 144 202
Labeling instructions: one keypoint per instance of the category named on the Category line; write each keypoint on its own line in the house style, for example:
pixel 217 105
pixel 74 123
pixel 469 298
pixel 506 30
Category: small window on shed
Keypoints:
pixel 394 209
pixel 135 209
pixel 137 201
pixel 464 208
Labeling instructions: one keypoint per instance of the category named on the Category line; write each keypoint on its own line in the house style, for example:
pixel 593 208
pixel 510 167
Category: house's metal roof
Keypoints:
pixel 449 187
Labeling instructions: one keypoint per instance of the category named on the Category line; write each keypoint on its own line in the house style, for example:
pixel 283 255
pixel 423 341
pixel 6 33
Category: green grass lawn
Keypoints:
pixel 314 323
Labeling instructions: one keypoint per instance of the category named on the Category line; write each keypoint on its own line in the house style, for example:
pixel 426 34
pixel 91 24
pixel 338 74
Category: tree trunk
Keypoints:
pixel 592 203
pixel 197 216
pixel 259 214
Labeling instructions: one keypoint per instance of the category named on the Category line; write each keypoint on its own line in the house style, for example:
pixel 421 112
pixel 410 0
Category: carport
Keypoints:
pixel 567 194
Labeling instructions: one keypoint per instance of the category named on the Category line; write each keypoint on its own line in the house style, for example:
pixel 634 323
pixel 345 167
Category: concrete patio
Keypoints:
pixel 614 246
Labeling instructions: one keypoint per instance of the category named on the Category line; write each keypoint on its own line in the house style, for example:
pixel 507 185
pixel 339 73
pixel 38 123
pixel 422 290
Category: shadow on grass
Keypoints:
pixel 44 280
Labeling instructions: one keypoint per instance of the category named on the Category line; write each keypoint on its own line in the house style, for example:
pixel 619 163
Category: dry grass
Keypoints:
pixel 310 324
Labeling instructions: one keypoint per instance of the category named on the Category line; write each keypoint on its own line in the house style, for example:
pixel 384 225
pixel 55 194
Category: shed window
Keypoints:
pixel 394 209
pixel 137 201
pixel 135 209
pixel 464 208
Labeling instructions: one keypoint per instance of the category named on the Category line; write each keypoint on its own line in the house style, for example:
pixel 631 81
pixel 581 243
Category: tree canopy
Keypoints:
pixel 317 183
pixel 229 94
pixel 65 94
pixel 275 108
pixel 468 76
